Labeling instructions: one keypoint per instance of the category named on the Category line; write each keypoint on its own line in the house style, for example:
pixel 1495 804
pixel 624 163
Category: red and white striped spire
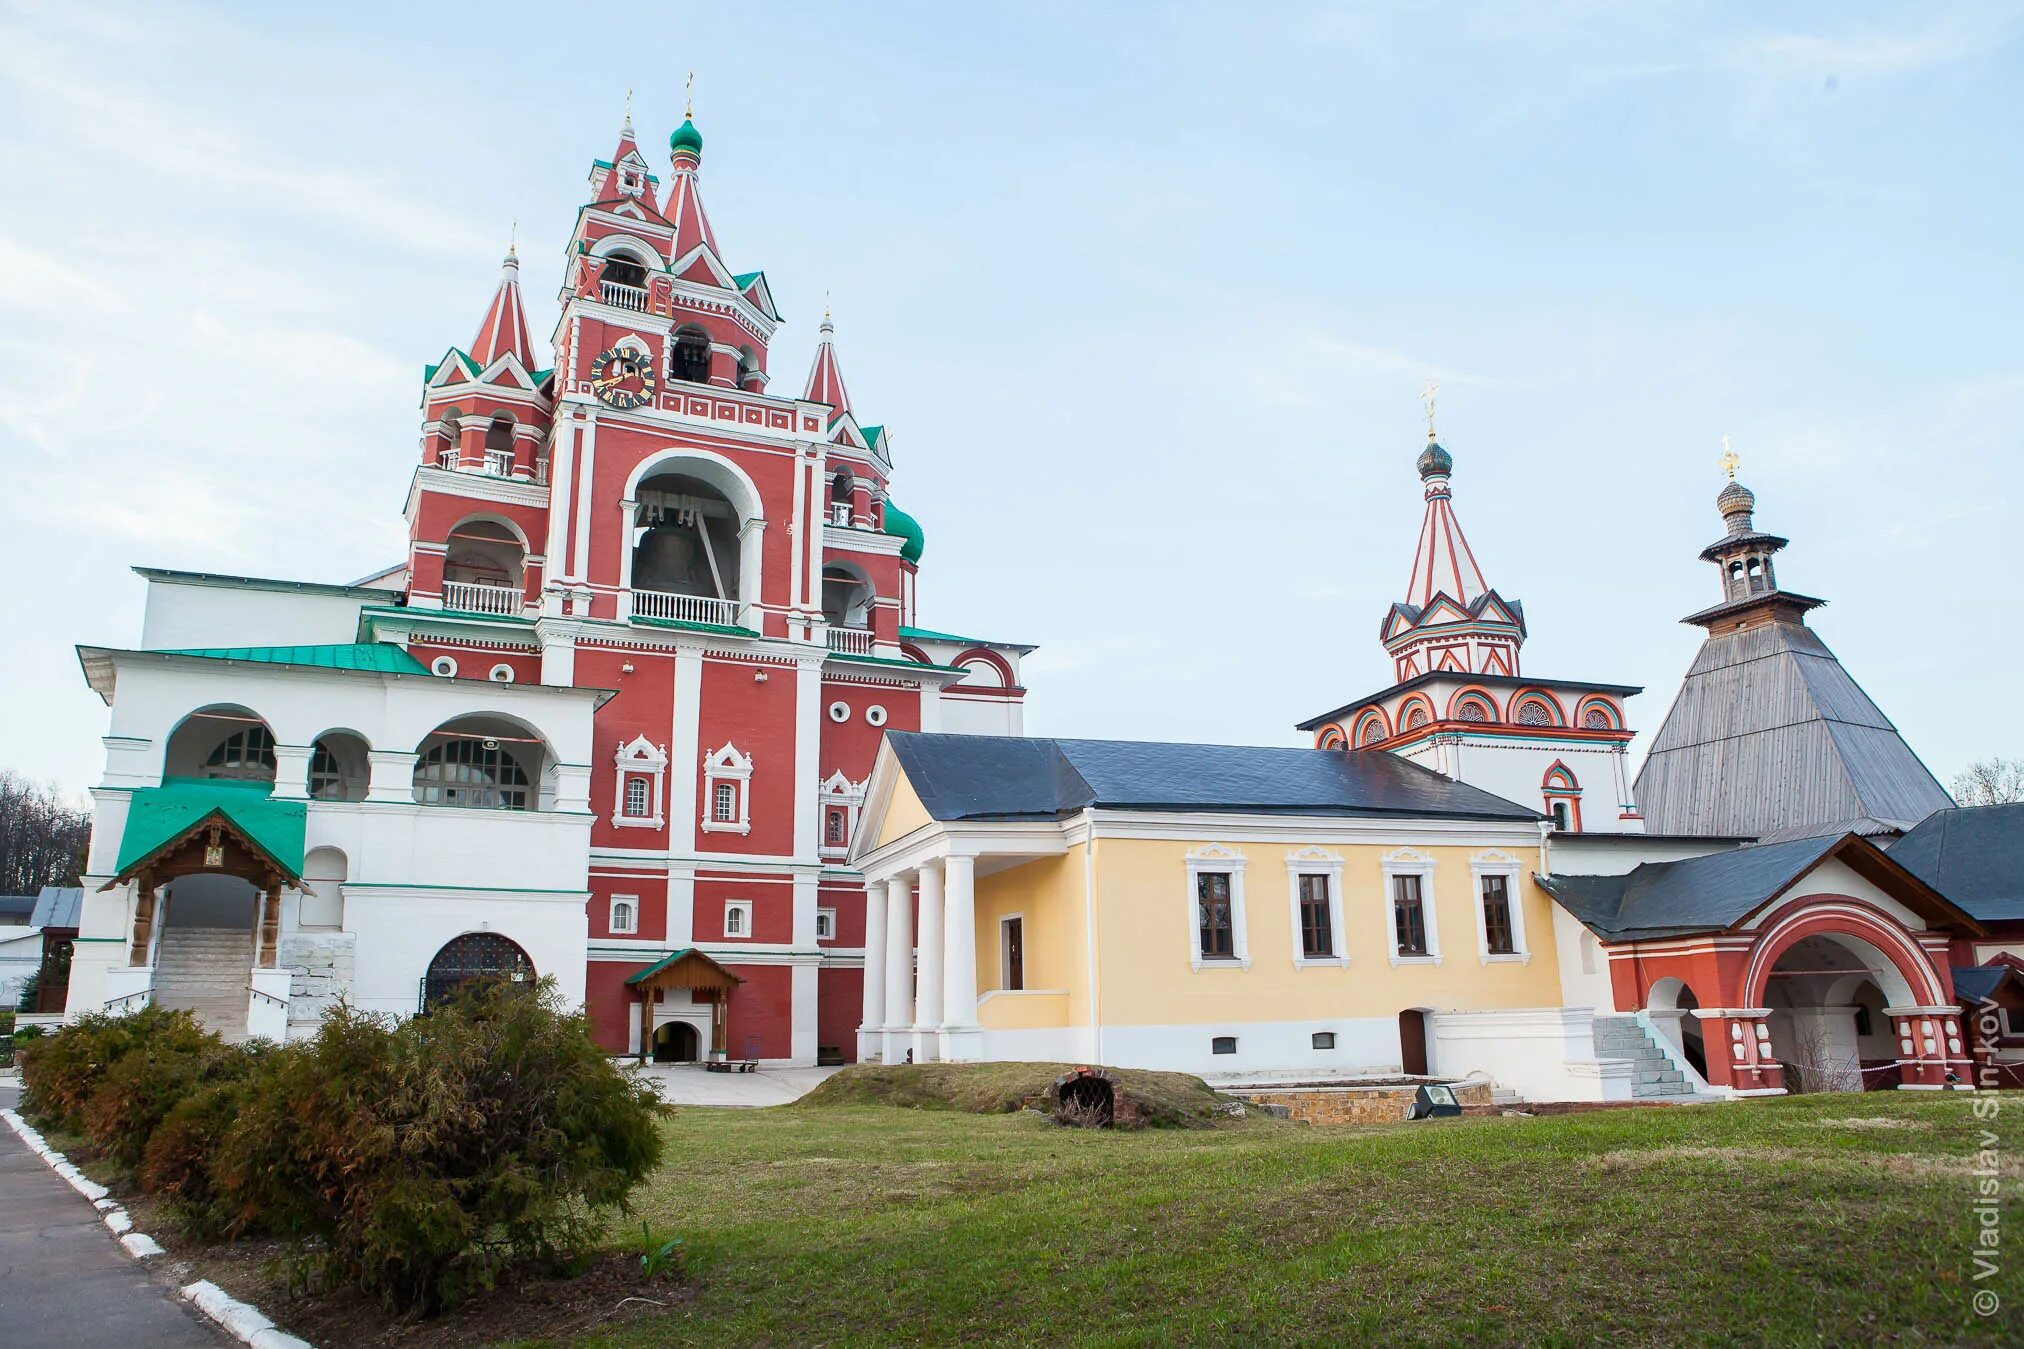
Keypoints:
pixel 1443 563
pixel 825 377
pixel 505 325
pixel 685 199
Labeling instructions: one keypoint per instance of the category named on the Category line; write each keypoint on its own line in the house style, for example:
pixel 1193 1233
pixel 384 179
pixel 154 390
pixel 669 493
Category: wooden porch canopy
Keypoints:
pixel 691 969
pixel 189 827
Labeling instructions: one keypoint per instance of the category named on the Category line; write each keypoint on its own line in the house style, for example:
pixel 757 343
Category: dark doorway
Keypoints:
pixel 1413 1043
pixel 1086 1101
pixel 676 1042
pixel 475 955
pixel 1015 953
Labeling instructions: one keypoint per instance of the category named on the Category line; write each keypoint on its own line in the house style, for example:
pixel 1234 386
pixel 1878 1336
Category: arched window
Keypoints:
pixel 1532 712
pixel 470 770
pixel 637 798
pixel 475 955
pixel 1472 709
pixel 689 356
pixel 246 754
pixel 749 376
pixel 1416 718
pixel 1597 719
pixel 624 271
pixel 339 768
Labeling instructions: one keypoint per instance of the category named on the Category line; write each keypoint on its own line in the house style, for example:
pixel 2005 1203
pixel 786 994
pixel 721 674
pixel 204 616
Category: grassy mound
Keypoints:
pixel 1171 1100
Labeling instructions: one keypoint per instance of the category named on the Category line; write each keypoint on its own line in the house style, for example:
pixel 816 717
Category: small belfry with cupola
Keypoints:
pixel 1461 703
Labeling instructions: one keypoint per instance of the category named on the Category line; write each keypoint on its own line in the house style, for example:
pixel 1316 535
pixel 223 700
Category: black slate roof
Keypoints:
pixel 1697 894
pixel 983 777
pixel 1978 983
pixel 17 907
pixel 1974 855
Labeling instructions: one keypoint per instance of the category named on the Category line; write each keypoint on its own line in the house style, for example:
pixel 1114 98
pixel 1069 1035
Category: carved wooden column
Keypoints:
pixel 144 922
pixel 270 924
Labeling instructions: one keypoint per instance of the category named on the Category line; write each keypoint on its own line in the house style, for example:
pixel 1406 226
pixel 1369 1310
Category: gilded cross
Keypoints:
pixel 689 97
pixel 1427 396
pixel 1729 459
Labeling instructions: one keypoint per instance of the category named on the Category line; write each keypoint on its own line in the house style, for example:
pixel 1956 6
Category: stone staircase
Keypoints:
pixel 205 970
pixel 1653 1076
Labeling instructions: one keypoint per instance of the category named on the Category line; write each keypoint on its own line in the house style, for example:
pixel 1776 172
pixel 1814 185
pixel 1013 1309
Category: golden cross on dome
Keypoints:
pixel 628 107
pixel 689 97
pixel 1427 396
pixel 1729 459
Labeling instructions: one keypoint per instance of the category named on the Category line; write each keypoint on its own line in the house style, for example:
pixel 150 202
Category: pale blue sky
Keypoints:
pixel 1147 293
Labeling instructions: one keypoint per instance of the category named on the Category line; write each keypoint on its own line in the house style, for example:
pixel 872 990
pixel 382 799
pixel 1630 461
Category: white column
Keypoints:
pixel 807 761
pixel 962 1038
pixel 685 751
pixel 870 1042
pixel 899 966
pixel 393 775
pixel 928 1002
pixel 802 1029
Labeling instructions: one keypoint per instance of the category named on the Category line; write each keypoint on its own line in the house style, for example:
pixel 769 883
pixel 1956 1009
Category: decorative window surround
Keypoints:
pixel 825 924
pixel 641 760
pixel 840 793
pixel 1411 862
pixel 1499 863
pixel 731 768
pixel 1208 860
pixel 625 914
pixel 737 919
pixel 1316 862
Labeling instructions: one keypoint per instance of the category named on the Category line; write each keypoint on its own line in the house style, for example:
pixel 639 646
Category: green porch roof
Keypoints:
pixel 160 815
pixel 382 657
pixel 674 958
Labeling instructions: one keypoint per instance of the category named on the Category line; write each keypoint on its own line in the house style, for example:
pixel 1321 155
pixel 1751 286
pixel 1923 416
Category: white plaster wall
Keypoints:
pixel 1835 877
pixel 1513 770
pixel 1620 854
pixel 1543 1053
pixel 1573 943
pixel 1362 1045
pixel 400 930
pixel 20 958
pixel 182 615
pixel 981 716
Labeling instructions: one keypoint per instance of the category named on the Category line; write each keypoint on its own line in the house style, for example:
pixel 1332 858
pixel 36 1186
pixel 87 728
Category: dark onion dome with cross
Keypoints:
pixel 1770 738
pixel 1435 461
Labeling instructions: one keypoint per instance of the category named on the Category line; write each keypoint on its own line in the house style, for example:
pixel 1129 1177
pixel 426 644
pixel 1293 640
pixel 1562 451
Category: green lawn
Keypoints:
pixel 1830 1218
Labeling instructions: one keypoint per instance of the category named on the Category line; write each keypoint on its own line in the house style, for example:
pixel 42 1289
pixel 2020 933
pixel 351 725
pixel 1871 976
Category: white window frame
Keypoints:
pixel 1316 862
pixel 1499 863
pixel 825 924
pixel 640 757
pixel 1005 922
pixel 727 765
pixel 1215 857
pixel 840 791
pixel 742 907
pixel 1411 862
pixel 611 916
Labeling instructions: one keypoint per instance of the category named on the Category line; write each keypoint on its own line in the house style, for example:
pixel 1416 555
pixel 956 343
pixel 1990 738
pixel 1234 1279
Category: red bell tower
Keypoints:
pixel 646 517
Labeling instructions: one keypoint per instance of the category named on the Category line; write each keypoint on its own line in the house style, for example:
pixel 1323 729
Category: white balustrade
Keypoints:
pixel 621 296
pixel 684 608
pixel 499 463
pixel 851 641
pixel 471 598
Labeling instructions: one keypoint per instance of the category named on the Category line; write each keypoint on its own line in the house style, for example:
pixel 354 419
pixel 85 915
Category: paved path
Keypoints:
pixel 63 1280
pixel 691 1084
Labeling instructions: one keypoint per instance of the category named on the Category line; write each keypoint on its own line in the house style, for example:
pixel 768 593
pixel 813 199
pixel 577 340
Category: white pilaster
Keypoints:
pixel 681 907
pixel 870 1042
pixel 962 1037
pixel 685 753
pixel 579 568
pixel 899 967
pixel 802 1032
pixel 291 772
pixel 393 775
pixel 807 758
pixel 928 1003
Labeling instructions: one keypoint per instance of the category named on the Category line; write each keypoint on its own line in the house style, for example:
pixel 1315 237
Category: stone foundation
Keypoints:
pixel 1374 1104
pixel 321 966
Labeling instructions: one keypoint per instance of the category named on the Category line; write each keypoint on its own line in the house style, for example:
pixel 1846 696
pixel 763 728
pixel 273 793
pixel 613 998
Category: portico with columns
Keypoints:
pixel 920 975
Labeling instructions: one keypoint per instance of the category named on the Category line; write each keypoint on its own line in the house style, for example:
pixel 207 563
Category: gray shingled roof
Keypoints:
pixel 17 906
pixel 1978 983
pixel 1974 855
pixel 980 777
pixel 1770 736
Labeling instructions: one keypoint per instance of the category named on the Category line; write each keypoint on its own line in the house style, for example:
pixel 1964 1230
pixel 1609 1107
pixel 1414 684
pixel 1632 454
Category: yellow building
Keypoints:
pixel 1211 909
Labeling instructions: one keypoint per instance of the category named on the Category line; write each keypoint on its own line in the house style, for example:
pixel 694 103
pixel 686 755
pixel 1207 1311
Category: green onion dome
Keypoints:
pixel 686 140
pixel 903 526
pixel 1435 460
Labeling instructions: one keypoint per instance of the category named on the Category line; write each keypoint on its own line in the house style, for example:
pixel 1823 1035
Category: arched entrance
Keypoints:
pixel 474 956
pixel 677 1042
pixel 1671 1005
pixel 1413 1056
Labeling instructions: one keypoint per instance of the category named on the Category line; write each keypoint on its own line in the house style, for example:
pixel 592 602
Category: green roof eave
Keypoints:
pixel 461 615
pixel 721 629
pixel 930 635
pixel 380 657
pixel 158 816
pixel 902 664
pixel 649 971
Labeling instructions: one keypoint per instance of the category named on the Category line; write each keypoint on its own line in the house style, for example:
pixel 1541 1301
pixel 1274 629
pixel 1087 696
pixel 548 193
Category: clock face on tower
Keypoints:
pixel 622 378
